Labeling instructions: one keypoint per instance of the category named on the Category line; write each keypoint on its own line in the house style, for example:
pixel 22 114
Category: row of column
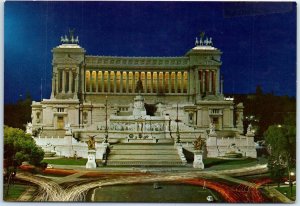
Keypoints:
pixel 125 82
pixel 208 81
pixel 64 81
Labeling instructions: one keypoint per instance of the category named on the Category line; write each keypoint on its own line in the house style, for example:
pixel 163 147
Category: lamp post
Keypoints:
pixel 291 183
pixel 177 128
pixel 106 129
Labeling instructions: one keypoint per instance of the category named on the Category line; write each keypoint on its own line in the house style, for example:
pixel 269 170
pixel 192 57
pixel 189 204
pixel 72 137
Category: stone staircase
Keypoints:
pixel 144 154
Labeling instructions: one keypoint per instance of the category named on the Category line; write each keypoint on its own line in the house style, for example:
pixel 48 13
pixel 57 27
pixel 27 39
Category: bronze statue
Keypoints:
pixel 91 142
pixel 198 143
pixel 139 86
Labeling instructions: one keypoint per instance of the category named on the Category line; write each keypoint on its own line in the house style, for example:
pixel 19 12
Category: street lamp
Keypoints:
pixel 291 183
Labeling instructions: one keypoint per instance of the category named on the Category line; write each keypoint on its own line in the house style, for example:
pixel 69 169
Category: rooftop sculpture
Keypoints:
pixel 71 39
pixel 203 42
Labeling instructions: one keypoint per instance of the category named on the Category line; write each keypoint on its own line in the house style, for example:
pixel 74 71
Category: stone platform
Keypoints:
pixel 148 154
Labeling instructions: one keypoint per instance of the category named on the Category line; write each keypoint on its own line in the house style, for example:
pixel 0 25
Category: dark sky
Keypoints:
pixel 258 40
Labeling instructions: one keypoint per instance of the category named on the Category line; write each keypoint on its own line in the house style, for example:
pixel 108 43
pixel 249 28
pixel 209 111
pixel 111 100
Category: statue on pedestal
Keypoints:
pixel 212 129
pixel 198 144
pixel 29 128
pixel 68 128
pixel 249 130
pixel 91 142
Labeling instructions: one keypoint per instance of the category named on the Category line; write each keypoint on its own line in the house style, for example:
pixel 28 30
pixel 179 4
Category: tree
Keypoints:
pixel 281 141
pixel 19 147
pixel 18 114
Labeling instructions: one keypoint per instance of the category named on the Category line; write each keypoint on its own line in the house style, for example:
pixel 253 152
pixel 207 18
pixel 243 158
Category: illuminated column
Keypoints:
pixel 133 82
pixel 127 82
pixel 63 81
pixel 83 80
pixel 169 83
pixel 91 79
pixel 176 82
pixel 146 82
pixel 182 81
pixel 115 82
pixel 157 82
pixel 121 81
pixel 102 81
pixel 163 82
pixel 151 82
pixel 108 81
pixel 97 81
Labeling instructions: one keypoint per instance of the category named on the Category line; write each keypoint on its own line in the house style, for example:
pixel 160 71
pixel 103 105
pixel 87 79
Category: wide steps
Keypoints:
pixel 142 146
pixel 138 152
pixel 133 154
pixel 144 163
pixel 143 157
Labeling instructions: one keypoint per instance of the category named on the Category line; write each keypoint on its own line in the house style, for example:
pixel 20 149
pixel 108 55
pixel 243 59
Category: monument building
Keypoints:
pixel 138 108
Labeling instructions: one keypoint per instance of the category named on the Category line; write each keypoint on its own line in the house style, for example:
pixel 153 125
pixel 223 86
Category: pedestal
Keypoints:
pixel 198 160
pixel 68 151
pixel 91 163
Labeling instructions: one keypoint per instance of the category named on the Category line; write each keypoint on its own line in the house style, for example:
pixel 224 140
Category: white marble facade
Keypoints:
pixel 96 95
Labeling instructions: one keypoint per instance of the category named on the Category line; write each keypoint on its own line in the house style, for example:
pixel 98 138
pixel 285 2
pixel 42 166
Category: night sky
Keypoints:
pixel 258 40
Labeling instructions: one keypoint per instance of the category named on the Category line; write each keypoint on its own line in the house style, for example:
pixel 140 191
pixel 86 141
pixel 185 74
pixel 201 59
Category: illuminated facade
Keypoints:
pixel 188 87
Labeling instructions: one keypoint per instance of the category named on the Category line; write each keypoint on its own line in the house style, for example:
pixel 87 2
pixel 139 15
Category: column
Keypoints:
pixel 53 86
pixel 176 82
pixel 127 82
pixel 204 81
pixel 63 81
pixel 76 86
pixel 146 82
pixel 102 81
pixel 210 81
pixel 157 82
pixel 91 74
pixel 121 81
pixel 197 81
pixel 151 76
pixel 213 82
pixel 182 82
pixel 217 80
pixel 57 81
pixel 115 82
pixel 188 82
pixel 169 83
pixel 97 81
pixel 163 82
pixel 83 80
pixel 70 81
pixel 133 82
pixel 108 82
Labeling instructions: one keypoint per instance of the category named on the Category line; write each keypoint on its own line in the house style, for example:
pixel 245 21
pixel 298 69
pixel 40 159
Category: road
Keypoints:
pixel 71 188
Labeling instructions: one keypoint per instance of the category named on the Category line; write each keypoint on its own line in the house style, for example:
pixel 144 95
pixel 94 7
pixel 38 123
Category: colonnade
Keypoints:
pixel 126 81
pixel 64 81
pixel 208 81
